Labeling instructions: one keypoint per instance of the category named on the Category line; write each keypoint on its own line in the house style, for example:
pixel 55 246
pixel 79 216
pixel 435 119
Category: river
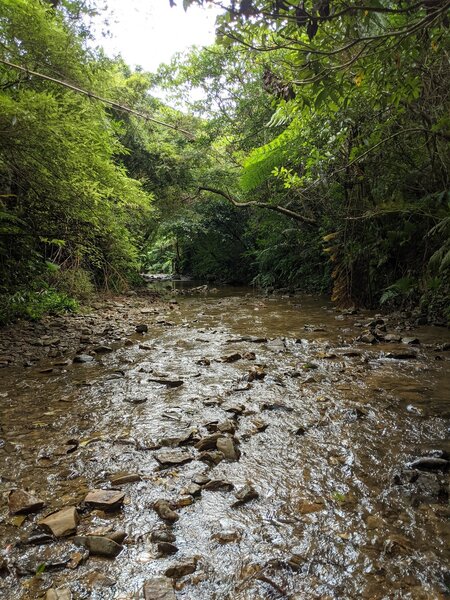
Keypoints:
pixel 322 429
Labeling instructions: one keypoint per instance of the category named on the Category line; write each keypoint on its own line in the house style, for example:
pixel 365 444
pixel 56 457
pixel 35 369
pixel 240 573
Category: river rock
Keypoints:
pixel 98 545
pixel 392 337
pixel 401 354
pixel 170 383
pixel 411 341
pixel 212 457
pixel 172 459
pixel 61 523
pixel 218 484
pixel 141 328
pixel 430 463
pixel 159 588
pixel 193 490
pixel 245 494
pixel 226 426
pixel 166 549
pixel 208 442
pixel 231 358
pixel 83 358
pixel 105 499
pixel 182 568
pixel 227 446
pixel 162 535
pixel 122 478
pixel 306 508
pixel 23 502
pixel 103 349
pixel 164 510
pixel 117 536
pixel 58 594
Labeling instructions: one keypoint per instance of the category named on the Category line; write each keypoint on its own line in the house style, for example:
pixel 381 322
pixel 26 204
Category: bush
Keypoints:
pixel 33 305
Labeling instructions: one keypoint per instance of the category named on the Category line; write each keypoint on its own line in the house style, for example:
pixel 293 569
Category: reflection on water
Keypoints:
pixel 325 428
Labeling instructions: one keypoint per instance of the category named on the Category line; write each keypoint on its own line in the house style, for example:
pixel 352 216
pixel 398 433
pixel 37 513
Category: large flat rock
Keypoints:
pixel 105 499
pixel 22 502
pixel 61 523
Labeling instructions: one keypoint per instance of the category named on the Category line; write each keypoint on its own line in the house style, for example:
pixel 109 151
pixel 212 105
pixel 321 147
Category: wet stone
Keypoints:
pixel 402 354
pixel 162 535
pixel 231 358
pixel 227 446
pixel 172 459
pixel 227 536
pixel 98 545
pixel 306 508
pixel 159 588
pixel 58 594
pixel 83 358
pixel 245 494
pixel 61 523
pixel 123 478
pixel 411 341
pixel 182 568
pixel 141 328
pixel 39 538
pixel 23 502
pixel 208 442
pixel 218 485
pixel 105 499
pixel 166 548
pixel 430 463
pixel 165 511
pixel 193 489
pixel 212 457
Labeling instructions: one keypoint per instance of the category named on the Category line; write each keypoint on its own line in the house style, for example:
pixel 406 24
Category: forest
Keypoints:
pixel 315 157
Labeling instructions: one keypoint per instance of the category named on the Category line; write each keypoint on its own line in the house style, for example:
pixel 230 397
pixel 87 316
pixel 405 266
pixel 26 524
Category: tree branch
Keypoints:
pixel 275 208
pixel 120 107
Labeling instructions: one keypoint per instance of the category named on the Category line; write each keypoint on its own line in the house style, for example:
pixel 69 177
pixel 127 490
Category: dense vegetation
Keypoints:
pixel 316 159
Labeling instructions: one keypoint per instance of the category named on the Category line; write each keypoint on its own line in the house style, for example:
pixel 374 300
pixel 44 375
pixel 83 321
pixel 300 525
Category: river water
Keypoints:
pixel 325 428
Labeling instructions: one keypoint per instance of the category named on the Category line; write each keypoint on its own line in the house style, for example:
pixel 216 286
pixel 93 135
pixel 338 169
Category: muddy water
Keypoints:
pixel 325 428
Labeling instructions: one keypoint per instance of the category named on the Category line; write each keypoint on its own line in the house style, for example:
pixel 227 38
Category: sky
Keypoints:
pixel 149 32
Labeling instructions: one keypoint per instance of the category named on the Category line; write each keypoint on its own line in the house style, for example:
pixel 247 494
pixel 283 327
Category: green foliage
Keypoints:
pixel 32 305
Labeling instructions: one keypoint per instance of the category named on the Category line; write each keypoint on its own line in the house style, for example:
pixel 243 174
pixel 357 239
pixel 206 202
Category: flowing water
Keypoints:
pixel 325 428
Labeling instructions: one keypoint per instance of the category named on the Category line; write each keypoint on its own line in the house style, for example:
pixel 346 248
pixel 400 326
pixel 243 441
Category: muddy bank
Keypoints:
pixel 239 447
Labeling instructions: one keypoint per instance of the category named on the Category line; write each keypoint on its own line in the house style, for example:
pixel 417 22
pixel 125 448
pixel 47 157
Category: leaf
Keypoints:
pixel 40 569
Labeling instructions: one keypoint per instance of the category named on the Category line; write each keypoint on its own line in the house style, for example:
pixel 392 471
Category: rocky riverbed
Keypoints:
pixel 223 446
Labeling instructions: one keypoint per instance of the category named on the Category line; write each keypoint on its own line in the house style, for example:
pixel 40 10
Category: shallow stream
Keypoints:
pixel 325 429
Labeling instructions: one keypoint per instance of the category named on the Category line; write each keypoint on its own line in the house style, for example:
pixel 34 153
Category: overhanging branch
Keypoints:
pixel 273 207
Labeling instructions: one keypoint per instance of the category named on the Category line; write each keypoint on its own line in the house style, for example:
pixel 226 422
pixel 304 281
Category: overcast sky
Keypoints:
pixel 149 32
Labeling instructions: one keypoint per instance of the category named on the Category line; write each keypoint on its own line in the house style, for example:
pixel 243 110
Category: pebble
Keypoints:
pixel 245 494
pixel 164 510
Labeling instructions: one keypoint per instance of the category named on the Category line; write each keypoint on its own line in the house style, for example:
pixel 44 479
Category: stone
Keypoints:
pixel 374 522
pixel 430 463
pixel 23 502
pixel 256 374
pixel 226 426
pixel 227 536
pixel 98 545
pixel 227 446
pixel 83 358
pixel 392 337
pixel 182 568
pixel 401 354
pixel 159 588
pixel 117 536
pixel 103 349
pixel 231 358
pixel 411 341
pixel 166 549
pixel 162 535
pixel 172 459
pixel 164 510
pixel 61 523
pixel 201 479
pixel 122 478
pixel 58 594
pixel 218 484
pixel 170 383
pixel 208 442
pixel 105 499
pixel 245 494
pixel 192 490
pixel 212 457
pixel 141 328
pixel 306 508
